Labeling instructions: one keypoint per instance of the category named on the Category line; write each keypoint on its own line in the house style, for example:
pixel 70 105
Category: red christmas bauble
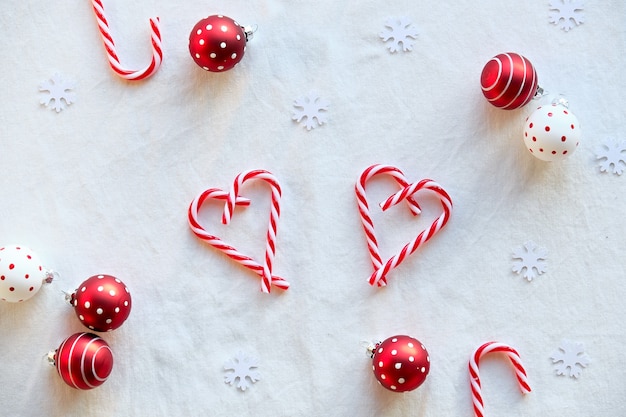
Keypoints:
pixel 400 363
pixel 509 81
pixel 102 303
pixel 217 43
pixel 84 361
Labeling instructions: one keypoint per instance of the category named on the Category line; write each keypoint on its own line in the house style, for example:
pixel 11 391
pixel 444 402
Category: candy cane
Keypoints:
pixel 378 277
pixel 109 45
pixel 270 247
pixel 366 219
pixel 513 356
pixel 217 243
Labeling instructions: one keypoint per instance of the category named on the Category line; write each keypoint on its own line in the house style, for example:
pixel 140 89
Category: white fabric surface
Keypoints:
pixel 103 187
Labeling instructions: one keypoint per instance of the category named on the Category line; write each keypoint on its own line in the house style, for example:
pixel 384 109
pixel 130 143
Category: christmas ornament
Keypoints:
pixel 509 81
pixel 379 276
pixel 84 361
pixel 232 198
pixel 483 350
pixel 552 132
pixel 400 363
pixel 102 303
pixel 109 46
pixel 217 43
pixel 21 273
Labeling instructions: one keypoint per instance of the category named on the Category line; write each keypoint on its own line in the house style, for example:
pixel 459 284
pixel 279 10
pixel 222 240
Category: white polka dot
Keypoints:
pixel 394 340
pixel 423 348
pixel 427 358
pixel 212 55
pixel 117 309
pixel 83 289
pixel 205 68
pixel 238 37
pixel 87 304
pixel 393 387
pixel 221 67
pixel 81 317
pixel 112 293
pixel 201 41
pixel 91 327
pixel 410 345
pixel 401 380
pixel 118 281
pixel 223 45
pixel 209 27
pixel 394 352
pixel 100 276
pixel 423 369
pixel 411 359
pixel 109 321
pixel 199 31
pixel 380 350
pixel 75 303
pixel 100 288
pixel 125 303
pixel 398 365
pixel 233 56
pixel 380 364
pixel 197 56
pixel 99 311
pixel 383 376
pixel 224 28
pixel 220 16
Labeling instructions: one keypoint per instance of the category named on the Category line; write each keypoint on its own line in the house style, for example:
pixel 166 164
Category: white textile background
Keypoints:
pixel 103 187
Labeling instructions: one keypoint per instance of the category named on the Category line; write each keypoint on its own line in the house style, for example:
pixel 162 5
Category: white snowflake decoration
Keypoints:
pixel 243 371
pixel 614 157
pixel 312 109
pixel 566 13
pixel 570 359
pixel 531 259
pixel 57 93
pixel 401 32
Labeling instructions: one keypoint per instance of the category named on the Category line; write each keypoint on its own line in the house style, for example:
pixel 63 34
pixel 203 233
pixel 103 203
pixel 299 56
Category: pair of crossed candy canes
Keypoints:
pixel 379 276
pixel 109 45
pixel 491 347
pixel 232 199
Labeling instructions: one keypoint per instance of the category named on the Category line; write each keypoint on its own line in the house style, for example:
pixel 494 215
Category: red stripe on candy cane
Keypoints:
pixel 490 347
pixel 109 45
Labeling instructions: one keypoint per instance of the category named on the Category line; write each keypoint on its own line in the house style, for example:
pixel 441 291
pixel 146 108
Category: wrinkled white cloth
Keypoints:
pixel 104 186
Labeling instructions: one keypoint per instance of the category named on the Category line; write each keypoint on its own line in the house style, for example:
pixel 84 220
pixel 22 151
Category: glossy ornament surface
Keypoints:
pixel 217 43
pixel 83 360
pixel 21 273
pixel 508 81
pixel 552 132
pixel 400 363
pixel 102 303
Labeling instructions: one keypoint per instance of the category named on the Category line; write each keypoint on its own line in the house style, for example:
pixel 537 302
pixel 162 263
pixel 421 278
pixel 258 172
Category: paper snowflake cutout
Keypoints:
pixel 57 93
pixel 531 260
pixel 566 13
pixel 310 110
pixel 401 32
pixel 570 359
pixel 614 157
pixel 243 371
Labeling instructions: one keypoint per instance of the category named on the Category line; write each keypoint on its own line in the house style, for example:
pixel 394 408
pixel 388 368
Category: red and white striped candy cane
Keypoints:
pixel 366 219
pixel 513 356
pixel 270 247
pixel 379 276
pixel 109 45
pixel 216 242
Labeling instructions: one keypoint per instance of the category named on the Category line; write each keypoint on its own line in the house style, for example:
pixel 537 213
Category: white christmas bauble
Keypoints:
pixel 552 132
pixel 21 273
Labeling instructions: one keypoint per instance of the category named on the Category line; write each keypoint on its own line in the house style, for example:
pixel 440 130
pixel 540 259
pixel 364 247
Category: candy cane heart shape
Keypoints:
pixel 379 276
pixel 109 45
pixel 217 243
pixel 364 211
pixel 493 347
pixel 270 247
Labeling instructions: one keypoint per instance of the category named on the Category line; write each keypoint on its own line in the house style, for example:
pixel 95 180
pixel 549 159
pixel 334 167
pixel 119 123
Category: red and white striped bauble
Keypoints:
pixel 84 361
pixel 400 363
pixel 102 303
pixel 509 81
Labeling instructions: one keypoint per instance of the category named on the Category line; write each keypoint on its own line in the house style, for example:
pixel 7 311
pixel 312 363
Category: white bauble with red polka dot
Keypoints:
pixel 552 132
pixel 21 273
pixel 102 303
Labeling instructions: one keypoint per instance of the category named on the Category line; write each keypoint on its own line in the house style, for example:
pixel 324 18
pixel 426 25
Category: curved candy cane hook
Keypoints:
pixel 513 356
pixel 109 45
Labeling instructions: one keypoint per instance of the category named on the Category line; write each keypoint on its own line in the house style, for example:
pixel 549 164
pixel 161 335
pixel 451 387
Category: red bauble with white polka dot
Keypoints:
pixel 83 360
pixel 102 303
pixel 400 363
pixel 552 132
pixel 217 43
pixel 508 81
pixel 21 273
